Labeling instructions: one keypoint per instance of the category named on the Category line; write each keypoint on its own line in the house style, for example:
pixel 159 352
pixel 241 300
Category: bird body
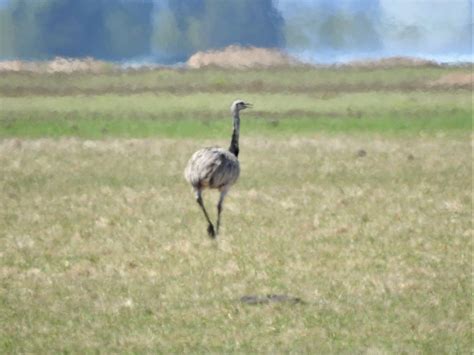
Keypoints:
pixel 216 168
pixel 212 167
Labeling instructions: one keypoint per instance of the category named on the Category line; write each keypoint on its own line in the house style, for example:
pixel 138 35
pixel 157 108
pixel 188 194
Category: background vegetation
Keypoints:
pixel 171 31
pixel 117 30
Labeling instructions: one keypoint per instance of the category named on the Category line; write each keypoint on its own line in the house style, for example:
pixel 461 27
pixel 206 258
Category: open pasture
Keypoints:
pixel 103 247
pixel 357 203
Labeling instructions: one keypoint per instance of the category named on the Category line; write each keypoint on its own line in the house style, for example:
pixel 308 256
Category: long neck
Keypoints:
pixel 234 143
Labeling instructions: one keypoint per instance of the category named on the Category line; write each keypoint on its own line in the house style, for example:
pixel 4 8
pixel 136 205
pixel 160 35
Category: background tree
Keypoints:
pixel 184 27
pixel 99 28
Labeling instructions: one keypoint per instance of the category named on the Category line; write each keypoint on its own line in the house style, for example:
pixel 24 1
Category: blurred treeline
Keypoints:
pixel 170 31
pixel 121 29
pixel 98 28
pixel 324 25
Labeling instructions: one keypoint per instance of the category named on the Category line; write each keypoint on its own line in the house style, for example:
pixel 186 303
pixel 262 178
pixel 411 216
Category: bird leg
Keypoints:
pixel 219 209
pixel 210 228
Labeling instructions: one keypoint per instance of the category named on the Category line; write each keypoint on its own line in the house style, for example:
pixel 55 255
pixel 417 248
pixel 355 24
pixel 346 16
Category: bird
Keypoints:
pixel 216 168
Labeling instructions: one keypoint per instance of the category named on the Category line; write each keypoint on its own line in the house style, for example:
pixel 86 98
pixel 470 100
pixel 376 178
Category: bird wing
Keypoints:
pixel 212 167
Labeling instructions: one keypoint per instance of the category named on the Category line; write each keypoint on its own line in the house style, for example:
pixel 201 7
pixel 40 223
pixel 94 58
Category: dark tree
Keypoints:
pixel 99 28
pixel 186 26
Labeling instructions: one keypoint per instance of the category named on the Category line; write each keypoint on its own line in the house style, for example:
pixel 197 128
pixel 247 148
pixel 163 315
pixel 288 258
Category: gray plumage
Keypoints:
pixel 213 168
pixel 216 168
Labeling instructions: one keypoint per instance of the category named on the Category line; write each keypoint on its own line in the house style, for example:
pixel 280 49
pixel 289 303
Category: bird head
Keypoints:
pixel 238 105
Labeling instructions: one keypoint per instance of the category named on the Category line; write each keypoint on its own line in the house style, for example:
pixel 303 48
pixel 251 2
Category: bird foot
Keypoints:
pixel 211 232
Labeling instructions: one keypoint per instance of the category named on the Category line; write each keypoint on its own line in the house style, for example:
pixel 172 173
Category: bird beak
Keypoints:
pixel 248 105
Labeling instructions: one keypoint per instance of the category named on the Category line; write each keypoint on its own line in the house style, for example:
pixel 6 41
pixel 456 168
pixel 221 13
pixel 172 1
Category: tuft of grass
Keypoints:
pixel 102 247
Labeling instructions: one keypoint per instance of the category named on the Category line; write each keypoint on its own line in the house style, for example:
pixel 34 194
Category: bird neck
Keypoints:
pixel 234 143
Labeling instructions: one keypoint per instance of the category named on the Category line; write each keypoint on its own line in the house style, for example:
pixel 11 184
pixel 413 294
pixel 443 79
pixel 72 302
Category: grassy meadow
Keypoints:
pixel 355 196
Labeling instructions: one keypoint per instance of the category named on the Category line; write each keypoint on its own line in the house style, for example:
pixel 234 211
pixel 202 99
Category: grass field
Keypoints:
pixel 102 247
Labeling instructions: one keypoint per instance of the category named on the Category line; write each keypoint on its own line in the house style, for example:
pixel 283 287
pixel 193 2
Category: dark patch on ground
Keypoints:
pixel 266 299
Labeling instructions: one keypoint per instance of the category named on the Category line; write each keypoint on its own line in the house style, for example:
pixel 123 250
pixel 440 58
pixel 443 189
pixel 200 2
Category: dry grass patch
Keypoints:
pixel 454 80
pixel 236 57
pixel 103 247
pixel 57 65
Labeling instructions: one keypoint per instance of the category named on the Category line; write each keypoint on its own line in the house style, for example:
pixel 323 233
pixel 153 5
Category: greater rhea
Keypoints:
pixel 216 168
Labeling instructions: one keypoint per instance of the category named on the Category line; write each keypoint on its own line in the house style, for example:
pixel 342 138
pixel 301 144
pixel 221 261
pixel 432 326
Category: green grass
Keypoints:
pixel 142 128
pixel 103 248
pixel 207 115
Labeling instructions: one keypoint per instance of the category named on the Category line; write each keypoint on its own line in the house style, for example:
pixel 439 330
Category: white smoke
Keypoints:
pixel 434 29
pixel 442 25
